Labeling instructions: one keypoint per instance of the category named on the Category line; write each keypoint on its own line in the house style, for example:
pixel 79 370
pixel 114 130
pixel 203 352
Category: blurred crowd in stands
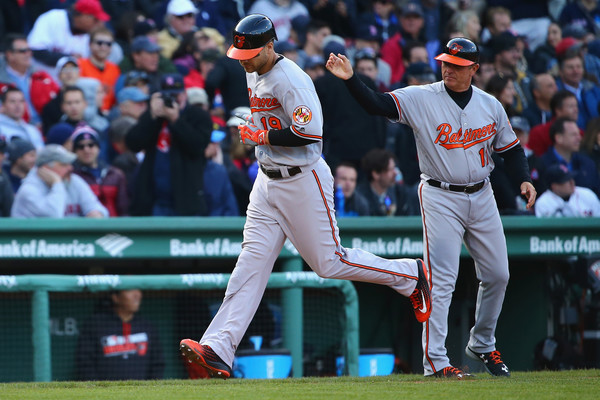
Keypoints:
pixel 127 107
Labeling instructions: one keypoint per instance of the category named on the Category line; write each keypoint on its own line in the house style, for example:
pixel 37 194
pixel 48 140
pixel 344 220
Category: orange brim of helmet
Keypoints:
pixel 242 54
pixel 449 58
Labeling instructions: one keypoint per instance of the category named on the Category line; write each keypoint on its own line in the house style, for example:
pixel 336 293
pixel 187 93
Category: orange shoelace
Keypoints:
pixel 417 301
pixel 452 371
pixel 495 357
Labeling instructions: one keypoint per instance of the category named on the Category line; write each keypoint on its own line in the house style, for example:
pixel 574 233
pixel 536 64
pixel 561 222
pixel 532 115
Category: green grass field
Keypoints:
pixel 580 384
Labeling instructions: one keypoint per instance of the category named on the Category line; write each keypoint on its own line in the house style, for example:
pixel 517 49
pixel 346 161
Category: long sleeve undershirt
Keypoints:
pixel 285 137
pixel 382 104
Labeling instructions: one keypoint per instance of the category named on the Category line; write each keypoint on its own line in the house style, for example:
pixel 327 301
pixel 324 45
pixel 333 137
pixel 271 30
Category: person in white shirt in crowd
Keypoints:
pixel 60 32
pixel 50 190
pixel 564 199
pixel 12 123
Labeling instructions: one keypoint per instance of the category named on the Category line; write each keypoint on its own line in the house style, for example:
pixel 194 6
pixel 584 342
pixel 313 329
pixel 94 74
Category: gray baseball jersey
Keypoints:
pixel 285 96
pixel 298 207
pixel 454 146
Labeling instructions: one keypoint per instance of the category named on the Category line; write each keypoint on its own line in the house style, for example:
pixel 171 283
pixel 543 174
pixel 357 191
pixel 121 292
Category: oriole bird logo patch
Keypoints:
pixel 302 115
pixel 454 48
pixel 238 41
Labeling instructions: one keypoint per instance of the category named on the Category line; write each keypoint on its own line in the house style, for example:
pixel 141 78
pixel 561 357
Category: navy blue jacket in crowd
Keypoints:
pixel 220 198
pixel 189 136
pixel 110 349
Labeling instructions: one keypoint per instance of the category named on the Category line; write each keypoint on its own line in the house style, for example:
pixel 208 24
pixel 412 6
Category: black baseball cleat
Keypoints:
pixel 492 361
pixel 421 296
pixel 452 373
pixel 205 357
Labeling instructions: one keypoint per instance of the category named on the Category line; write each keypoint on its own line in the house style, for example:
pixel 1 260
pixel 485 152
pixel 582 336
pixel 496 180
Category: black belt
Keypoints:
pixel 276 174
pixel 457 188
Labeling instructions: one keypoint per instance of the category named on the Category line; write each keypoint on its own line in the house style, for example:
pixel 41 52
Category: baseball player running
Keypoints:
pixel 292 198
pixel 456 126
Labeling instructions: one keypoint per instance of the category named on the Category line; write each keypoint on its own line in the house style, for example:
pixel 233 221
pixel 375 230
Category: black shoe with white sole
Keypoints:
pixel 492 361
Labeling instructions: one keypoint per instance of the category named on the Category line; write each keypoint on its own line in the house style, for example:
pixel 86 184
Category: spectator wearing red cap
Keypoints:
pixel 544 57
pixel 58 32
pixel 578 45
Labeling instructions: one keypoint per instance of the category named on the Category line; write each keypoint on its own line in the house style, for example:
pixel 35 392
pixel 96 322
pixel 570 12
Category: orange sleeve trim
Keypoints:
pixel 304 135
pixel 397 105
pixel 508 146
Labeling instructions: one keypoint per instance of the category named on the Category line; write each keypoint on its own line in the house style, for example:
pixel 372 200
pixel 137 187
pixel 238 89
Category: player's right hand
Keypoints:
pixel 249 133
pixel 339 66
pixel 252 135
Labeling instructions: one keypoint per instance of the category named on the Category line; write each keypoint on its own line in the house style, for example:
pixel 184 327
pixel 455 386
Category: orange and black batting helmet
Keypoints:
pixel 460 51
pixel 250 36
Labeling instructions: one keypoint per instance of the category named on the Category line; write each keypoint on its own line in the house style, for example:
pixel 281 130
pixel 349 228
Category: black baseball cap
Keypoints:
pixel 521 123
pixel 503 41
pixel 172 83
pixel 558 173
pixel 133 77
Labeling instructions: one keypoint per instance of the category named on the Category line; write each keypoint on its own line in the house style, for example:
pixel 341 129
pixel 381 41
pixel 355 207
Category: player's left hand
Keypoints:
pixel 252 135
pixel 339 66
pixel 529 192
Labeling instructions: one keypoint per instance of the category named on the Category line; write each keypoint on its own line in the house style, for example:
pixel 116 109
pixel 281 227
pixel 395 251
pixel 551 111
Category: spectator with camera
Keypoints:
pixel 173 137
